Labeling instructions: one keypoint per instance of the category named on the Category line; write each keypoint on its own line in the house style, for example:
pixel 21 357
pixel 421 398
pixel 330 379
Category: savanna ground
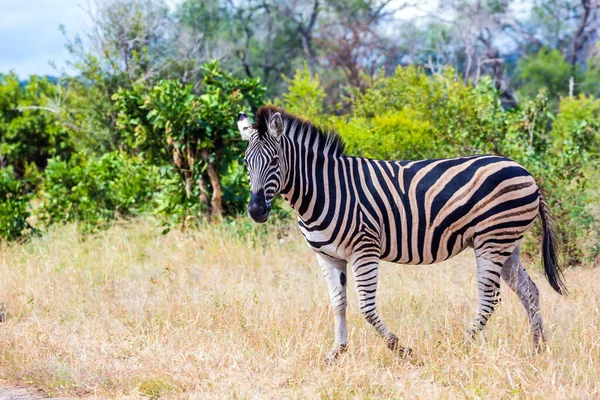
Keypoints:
pixel 216 313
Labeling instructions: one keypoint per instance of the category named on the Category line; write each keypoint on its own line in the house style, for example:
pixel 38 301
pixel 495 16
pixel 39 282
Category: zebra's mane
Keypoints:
pixel 328 140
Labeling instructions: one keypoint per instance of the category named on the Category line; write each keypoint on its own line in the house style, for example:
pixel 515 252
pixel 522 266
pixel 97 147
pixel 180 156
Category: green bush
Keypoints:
pixel 412 115
pixel 578 124
pixel 395 135
pixel 546 68
pixel 14 207
pixel 192 130
pixel 550 70
pixel 30 132
pixel 570 173
pixel 96 191
pixel 304 96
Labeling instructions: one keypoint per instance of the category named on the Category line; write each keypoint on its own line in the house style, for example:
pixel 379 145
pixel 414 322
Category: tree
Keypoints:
pixel 131 42
pixel 353 40
pixel 547 68
pixel 29 134
pixel 194 133
pixel 570 26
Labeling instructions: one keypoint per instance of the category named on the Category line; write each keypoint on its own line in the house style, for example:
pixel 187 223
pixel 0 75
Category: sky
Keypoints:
pixel 30 37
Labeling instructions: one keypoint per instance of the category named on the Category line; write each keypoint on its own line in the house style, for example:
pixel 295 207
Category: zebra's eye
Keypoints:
pixel 274 161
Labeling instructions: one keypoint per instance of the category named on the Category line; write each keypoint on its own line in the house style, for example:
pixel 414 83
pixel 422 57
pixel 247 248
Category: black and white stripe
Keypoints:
pixel 357 211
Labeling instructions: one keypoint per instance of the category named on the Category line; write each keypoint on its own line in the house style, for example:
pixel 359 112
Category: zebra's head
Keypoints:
pixel 262 162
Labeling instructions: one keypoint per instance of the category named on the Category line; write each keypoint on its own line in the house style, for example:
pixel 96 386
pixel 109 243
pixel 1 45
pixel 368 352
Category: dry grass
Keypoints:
pixel 215 314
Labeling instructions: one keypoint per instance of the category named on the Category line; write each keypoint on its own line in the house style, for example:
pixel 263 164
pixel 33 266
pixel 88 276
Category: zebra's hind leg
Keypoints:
pixel 513 272
pixel 366 272
pixel 334 271
pixel 489 268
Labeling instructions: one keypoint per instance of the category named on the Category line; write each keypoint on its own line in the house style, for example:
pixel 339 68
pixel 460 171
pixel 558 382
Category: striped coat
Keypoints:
pixel 356 211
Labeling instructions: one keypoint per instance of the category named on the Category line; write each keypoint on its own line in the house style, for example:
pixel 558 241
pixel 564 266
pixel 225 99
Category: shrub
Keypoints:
pixel 305 95
pixel 96 191
pixel 546 68
pixel 29 133
pixel 192 129
pixel 396 135
pixel 571 175
pixel 578 124
pixel 419 116
pixel 14 207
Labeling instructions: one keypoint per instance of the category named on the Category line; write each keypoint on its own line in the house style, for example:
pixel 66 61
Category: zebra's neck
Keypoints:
pixel 309 165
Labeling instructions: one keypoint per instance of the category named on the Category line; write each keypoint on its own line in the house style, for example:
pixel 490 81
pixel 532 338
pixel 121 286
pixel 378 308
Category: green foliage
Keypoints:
pixel 29 133
pixel 574 176
pixel 546 68
pixel 89 114
pixel 96 191
pixel 550 147
pixel 14 207
pixel 304 96
pixel 578 124
pixel 411 115
pixel 392 136
pixel 549 69
pixel 193 131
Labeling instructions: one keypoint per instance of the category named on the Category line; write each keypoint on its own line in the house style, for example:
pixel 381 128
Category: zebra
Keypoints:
pixel 356 212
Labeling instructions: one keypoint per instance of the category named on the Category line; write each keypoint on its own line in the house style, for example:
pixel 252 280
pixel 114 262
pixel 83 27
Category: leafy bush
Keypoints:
pixel 572 174
pixel 304 96
pixel 415 115
pixel 391 136
pixel 14 207
pixel 97 191
pixel 546 68
pixel 578 124
pixel 30 132
pixel 550 70
pixel 193 130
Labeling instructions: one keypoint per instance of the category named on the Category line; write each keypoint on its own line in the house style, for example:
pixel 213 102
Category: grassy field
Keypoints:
pixel 221 314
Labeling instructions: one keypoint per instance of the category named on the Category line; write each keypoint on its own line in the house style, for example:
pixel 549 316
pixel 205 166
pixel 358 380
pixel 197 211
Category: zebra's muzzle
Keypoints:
pixel 258 209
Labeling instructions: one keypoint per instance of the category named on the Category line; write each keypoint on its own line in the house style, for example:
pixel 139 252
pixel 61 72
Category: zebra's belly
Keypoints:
pixel 423 252
pixel 396 251
pixel 323 242
pixel 428 247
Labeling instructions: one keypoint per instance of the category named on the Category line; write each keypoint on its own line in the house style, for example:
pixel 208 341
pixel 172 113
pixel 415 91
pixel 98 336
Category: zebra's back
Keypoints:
pixel 427 211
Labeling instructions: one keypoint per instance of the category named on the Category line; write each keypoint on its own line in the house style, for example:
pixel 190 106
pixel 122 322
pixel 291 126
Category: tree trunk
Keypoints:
pixel 217 197
pixel 203 194
pixel 580 36
pixel 188 184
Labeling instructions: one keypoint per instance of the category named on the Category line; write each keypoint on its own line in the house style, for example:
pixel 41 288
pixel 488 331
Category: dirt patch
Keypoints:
pixel 17 393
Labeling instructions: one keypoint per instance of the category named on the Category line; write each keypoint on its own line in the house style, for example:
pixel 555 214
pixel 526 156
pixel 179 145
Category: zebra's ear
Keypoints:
pixel 244 126
pixel 276 125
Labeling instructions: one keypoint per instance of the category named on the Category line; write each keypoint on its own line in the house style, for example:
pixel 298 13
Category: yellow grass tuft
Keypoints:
pixel 221 314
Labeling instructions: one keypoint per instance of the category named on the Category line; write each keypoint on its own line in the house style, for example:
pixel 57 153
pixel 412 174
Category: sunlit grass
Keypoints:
pixel 225 312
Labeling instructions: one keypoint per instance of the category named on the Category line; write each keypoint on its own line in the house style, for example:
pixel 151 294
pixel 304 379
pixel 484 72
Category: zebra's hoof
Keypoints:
pixel 470 335
pixel 335 353
pixel 403 352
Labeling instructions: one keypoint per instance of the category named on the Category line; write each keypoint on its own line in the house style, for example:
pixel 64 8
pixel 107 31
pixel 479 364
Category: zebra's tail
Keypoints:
pixel 552 269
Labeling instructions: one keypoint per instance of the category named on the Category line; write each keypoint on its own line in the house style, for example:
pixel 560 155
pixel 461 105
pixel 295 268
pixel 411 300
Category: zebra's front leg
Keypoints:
pixel 334 271
pixel 366 271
